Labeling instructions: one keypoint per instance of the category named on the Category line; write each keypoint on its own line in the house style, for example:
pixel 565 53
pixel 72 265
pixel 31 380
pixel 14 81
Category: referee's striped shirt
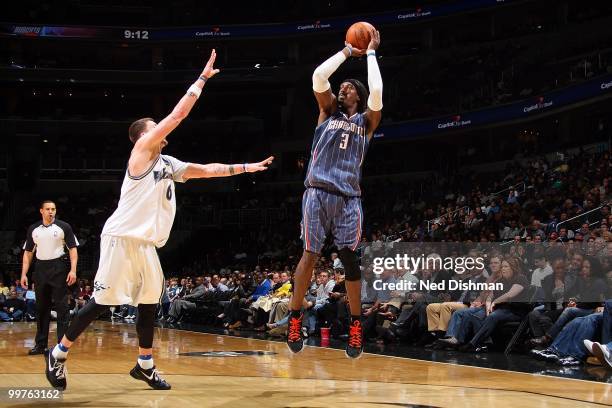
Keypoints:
pixel 49 240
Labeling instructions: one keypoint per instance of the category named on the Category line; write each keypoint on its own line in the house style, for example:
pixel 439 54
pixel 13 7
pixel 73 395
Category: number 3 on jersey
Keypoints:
pixel 344 141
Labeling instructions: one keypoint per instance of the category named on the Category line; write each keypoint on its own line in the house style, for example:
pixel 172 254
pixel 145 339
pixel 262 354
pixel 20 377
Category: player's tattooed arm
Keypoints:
pixel 211 170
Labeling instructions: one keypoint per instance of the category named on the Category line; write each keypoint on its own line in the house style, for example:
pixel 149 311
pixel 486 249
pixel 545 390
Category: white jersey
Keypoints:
pixel 147 204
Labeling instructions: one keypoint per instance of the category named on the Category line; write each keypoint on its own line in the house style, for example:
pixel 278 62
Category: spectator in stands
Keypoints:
pixel 413 321
pixel 368 293
pixel 439 314
pixel 504 305
pixel 381 299
pixel 333 313
pixel 19 289
pixel 336 262
pixel 180 289
pixel 456 331
pixel 543 268
pixel 217 285
pixel 4 290
pixel 589 291
pixel 235 312
pixel 263 305
pixel 13 308
pixel 83 296
pixel 555 290
pixel 188 302
pixel 324 288
pixel 575 342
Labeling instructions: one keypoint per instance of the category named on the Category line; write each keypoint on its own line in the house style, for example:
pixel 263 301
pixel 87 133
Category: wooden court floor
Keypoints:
pixel 224 371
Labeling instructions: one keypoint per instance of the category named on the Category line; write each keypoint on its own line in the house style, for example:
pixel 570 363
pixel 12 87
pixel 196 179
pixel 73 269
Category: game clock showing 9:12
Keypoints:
pixel 136 34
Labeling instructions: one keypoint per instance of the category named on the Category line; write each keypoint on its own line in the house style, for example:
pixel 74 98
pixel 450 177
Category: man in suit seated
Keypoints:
pixel 188 302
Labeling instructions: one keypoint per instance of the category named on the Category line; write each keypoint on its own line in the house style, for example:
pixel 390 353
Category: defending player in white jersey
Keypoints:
pixel 129 271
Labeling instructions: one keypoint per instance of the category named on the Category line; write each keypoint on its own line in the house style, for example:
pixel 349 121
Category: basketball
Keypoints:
pixel 358 35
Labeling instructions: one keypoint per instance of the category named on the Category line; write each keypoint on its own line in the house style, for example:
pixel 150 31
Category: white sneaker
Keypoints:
pixel 603 354
pixel 588 344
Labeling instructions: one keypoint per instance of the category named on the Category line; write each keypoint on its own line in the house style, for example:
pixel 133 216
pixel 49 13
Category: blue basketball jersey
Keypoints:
pixel 338 149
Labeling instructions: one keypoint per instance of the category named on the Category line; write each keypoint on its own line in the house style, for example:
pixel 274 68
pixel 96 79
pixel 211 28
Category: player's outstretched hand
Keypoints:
pixel 261 166
pixel 209 70
pixel 374 40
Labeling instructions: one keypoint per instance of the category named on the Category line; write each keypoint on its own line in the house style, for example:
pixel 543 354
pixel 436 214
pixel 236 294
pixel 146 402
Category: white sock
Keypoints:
pixel 146 363
pixel 58 353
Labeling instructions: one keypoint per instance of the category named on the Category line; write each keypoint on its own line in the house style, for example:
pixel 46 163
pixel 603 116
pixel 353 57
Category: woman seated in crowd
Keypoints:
pixel 501 306
pixel 473 326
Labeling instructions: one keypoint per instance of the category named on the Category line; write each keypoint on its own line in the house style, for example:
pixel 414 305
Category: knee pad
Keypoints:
pixel 351 267
pixel 144 325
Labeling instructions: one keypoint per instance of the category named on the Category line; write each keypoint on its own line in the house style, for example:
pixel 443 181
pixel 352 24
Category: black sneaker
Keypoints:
pixel 354 347
pixel 55 370
pixel 37 350
pixel 295 339
pixel 149 376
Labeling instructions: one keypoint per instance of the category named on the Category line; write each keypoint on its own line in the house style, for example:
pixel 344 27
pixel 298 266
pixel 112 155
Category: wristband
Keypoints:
pixel 244 167
pixel 350 49
pixel 195 90
pixel 203 78
pixel 371 53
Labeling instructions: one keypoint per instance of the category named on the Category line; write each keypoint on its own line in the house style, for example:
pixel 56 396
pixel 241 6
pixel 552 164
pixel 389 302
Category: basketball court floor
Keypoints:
pixel 215 370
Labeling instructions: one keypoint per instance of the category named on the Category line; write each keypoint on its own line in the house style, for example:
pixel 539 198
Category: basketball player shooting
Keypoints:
pixel 331 202
pixel 129 271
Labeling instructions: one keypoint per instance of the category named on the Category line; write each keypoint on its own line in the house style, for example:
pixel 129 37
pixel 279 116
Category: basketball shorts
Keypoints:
pixel 325 213
pixel 129 272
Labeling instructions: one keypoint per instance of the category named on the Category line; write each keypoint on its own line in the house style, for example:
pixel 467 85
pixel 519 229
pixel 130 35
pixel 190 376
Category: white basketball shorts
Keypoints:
pixel 129 272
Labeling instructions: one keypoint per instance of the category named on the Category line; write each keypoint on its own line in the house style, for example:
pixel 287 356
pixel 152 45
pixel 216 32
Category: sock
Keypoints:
pixel 296 313
pixel 145 361
pixel 353 318
pixel 60 352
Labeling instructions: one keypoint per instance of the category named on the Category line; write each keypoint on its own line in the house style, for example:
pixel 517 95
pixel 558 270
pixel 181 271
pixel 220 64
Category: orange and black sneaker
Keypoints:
pixel 354 346
pixel 295 341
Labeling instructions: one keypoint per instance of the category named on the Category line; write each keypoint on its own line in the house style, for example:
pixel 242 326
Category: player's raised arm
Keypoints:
pixel 195 170
pixel 375 85
pixel 320 81
pixel 154 136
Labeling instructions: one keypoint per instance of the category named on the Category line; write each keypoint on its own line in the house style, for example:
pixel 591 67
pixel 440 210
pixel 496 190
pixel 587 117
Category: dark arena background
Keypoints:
pixel 494 143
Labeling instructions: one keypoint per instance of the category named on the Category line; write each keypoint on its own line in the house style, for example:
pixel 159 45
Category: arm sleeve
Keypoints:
pixel 321 75
pixel 69 238
pixel 29 244
pixel 375 84
pixel 178 168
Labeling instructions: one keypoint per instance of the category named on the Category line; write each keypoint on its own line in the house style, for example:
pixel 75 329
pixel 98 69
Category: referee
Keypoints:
pixel 48 238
